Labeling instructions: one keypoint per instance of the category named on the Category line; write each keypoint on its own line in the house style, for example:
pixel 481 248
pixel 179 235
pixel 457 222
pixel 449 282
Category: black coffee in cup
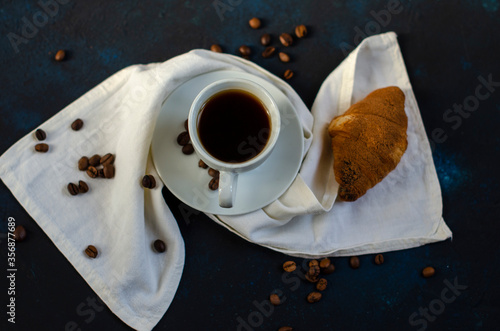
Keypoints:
pixel 233 126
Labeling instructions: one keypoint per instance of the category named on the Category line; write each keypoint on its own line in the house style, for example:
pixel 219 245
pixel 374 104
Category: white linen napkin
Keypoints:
pixel 122 219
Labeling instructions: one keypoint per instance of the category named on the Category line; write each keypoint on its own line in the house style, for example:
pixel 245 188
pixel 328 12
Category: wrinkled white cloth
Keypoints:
pixel 122 219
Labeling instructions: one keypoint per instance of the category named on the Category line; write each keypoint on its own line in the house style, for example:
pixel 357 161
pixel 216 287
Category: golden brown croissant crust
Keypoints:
pixel 368 141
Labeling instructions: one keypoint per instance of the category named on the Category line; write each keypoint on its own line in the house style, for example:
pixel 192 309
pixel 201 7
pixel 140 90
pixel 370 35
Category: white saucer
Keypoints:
pixel 189 183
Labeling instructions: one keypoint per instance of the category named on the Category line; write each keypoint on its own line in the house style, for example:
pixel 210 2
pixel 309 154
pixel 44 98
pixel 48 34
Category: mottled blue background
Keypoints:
pixel 446 45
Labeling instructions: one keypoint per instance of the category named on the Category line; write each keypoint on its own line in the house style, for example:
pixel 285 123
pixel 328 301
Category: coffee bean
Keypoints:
pixel 148 181
pixel 77 124
pixel 314 297
pixel 268 52
pixel 95 160
pixel 321 284
pixel 42 148
pixel 40 134
pixel 354 262
pixel 188 149
pixel 245 51
pixel 83 187
pixel 108 158
pixel 202 164
pixel 91 251
pixel 109 170
pixel 289 266
pixel 324 263
pixel 73 189
pixel 92 172
pixel 312 274
pixel 19 233
pixel 301 31
pixel 286 39
pixel 379 259
pixel 254 23
pixel 275 299
pixel 186 125
pixel 285 328
pixel 214 173
pixel 288 74
pixel 328 270
pixel 428 272
pixel 313 263
pixel 214 184
pixel 83 163
pixel 159 246
pixel 216 48
pixel 183 138
pixel 284 57
pixel 60 55
pixel 265 39
pixel 100 173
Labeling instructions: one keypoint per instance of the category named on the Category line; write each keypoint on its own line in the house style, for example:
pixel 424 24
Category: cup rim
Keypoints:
pixel 204 95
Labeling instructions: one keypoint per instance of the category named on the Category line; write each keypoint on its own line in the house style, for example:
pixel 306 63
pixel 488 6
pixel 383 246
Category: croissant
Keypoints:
pixel 368 141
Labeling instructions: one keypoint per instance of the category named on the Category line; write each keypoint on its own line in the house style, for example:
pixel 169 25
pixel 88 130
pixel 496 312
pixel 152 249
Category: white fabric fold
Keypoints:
pixel 402 211
pixel 122 219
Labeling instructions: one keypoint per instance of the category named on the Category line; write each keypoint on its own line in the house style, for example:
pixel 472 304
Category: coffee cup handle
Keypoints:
pixel 227 188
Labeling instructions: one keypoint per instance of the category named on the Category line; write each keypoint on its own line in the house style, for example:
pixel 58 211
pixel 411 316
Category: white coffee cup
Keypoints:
pixel 229 171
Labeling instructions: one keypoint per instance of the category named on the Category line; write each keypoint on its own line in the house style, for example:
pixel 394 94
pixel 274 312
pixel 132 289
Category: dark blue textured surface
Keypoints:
pixel 446 46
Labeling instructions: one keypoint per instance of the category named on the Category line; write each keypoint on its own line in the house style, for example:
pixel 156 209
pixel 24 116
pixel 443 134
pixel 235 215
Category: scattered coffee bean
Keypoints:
pixel 254 23
pixel 159 246
pixel 108 158
pixel 285 328
pixel 60 55
pixel 286 39
pixel 214 184
pixel 284 57
pixel 73 189
pixel 216 48
pixel 95 160
pixel 289 266
pixel 202 164
pixel 301 31
pixel 354 262
pixel 314 297
pixel 83 187
pixel 148 181
pixel 288 74
pixel 321 284
pixel 265 39
pixel 268 52
pixel 275 299
pixel 428 272
pixel 109 170
pixel 100 173
pixel 313 263
pixel 91 251
pixel 245 51
pixel 328 270
pixel 40 134
pixel 213 173
pixel 77 124
pixel 188 149
pixel 186 125
pixel 83 163
pixel 183 138
pixel 19 233
pixel 92 172
pixel 312 274
pixel 379 259
pixel 324 263
pixel 42 148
